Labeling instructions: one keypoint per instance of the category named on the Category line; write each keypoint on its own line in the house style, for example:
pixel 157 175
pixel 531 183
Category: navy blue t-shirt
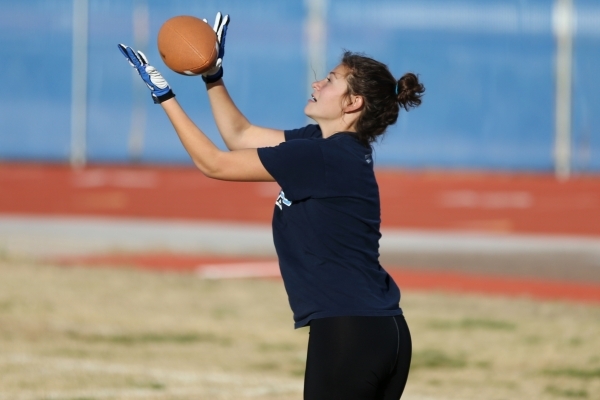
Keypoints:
pixel 326 227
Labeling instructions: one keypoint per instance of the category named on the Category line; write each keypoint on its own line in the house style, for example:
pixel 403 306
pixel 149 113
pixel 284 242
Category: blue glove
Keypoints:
pixel 156 83
pixel 220 28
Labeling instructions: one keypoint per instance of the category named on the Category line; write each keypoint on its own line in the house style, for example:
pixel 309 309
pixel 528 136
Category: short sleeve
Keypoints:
pixel 309 131
pixel 298 166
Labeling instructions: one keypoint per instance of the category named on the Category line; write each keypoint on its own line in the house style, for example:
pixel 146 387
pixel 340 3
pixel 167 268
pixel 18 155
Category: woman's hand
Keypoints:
pixel 220 28
pixel 159 87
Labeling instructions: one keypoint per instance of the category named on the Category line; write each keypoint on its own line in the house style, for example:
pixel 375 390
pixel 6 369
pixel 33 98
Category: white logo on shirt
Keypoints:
pixel 282 200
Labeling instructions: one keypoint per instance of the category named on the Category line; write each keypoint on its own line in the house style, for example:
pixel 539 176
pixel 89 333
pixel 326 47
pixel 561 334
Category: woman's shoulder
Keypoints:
pixel 348 140
pixel 345 151
pixel 311 131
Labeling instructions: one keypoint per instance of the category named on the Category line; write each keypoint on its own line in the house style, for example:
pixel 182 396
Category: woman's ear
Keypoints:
pixel 354 104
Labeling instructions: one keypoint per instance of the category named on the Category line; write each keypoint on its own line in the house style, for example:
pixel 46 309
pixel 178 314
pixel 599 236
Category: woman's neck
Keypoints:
pixel 333 127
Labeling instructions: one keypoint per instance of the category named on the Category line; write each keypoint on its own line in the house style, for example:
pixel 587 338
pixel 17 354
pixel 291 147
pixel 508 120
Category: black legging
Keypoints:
pixel 357 358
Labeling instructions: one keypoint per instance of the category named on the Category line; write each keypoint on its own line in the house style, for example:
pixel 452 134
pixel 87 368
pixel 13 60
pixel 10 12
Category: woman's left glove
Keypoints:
pixel 159 87
pixel 220 28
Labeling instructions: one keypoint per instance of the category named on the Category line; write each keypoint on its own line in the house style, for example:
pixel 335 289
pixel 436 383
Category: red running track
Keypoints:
pixel 493 202
pixel 231 267
pixel 497 202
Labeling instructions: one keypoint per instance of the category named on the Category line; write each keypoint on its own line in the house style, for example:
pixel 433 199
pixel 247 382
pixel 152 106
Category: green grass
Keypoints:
pixel 579 373
pixel 276 347
pixel 432 358
pixel 473 323
pixel 569 393
pixel 151 338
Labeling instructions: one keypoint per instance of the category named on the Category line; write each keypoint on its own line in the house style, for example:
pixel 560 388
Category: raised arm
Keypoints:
pixel 234 127
pixel 239 165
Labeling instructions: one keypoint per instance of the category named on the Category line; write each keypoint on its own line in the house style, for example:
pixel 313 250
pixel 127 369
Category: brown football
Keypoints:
pixel 187 45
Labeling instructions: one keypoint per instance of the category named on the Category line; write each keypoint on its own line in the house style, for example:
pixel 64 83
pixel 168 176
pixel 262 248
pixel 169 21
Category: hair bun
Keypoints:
pixel 410 91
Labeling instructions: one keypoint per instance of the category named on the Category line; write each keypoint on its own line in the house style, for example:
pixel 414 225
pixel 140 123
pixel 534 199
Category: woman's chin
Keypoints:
pixel 311 117
pixel 308 113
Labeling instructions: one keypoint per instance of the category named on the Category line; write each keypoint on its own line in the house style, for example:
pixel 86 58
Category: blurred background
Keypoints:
pixel 490 196
pixel 507 141
pixel 510 84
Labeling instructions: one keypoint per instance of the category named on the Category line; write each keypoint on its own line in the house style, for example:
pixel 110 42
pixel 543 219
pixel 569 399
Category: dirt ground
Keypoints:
pixel 103 333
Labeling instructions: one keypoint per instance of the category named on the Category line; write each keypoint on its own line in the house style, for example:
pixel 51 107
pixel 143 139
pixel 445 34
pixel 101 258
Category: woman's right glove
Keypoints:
pixel 220 28
pixel 158 86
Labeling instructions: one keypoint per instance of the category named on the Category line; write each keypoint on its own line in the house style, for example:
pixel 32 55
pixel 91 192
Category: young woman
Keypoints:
pixel 327 216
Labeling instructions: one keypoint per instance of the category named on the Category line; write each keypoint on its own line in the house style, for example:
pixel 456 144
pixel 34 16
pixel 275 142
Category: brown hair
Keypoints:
pixel 382 94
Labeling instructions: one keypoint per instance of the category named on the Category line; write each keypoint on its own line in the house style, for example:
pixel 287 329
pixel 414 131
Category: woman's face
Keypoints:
pixel 326 102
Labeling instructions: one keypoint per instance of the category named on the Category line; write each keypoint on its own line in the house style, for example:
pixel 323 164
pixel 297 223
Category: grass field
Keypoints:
pixel 104 333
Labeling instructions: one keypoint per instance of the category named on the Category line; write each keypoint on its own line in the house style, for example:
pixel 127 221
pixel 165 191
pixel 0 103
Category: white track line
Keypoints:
pixel 47 236
pixel 239 270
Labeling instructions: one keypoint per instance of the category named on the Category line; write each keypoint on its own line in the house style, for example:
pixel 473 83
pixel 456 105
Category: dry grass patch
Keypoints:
pixel 79 333
pixel 474 347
